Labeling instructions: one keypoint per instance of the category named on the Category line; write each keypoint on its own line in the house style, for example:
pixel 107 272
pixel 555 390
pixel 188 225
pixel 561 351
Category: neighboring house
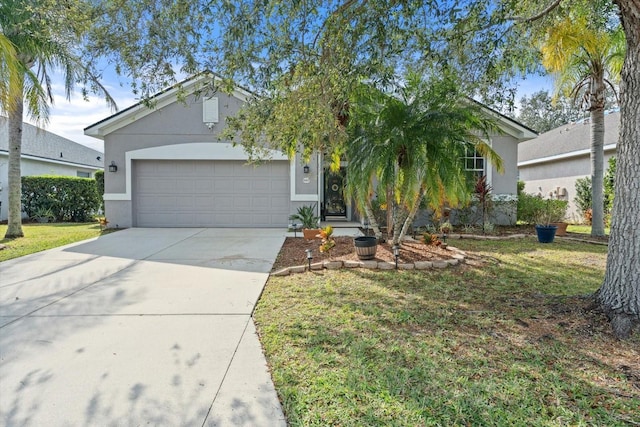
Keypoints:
pixel 171 169
pixel 550 164
pixel 45 153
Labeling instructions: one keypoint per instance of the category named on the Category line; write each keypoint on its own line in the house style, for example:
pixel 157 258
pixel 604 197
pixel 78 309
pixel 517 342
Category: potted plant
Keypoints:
pixel 307 216
pixel 43 215
pixel 558 214
pixel 548 214
pixel 366 247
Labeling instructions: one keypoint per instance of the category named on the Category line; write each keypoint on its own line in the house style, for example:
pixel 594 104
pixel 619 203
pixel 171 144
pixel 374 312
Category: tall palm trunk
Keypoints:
pixel 14 228
pixel 368 211
pixel 412 214
pixel 597 157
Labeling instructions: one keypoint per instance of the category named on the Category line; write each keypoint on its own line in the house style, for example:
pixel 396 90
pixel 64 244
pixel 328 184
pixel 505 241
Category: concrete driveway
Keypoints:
pixel 138 327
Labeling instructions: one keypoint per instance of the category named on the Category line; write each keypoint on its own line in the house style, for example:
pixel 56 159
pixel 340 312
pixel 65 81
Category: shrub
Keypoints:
pixel 68 198
pixel 583 194
pixel 99 177
pixel 534 209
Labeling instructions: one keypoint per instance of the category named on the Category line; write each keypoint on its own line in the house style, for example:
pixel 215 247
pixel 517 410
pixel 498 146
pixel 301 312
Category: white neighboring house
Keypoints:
pixel 550 164
pixel 45 153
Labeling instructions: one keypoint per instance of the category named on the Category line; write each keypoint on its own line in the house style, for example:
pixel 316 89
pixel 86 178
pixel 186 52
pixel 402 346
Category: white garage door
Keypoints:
pixel 220 193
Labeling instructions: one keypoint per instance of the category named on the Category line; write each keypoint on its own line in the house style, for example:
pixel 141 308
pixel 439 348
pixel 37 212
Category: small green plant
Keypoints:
pixel 327 243
pixel 445 227
pixel 469 228
pixel 431 239
pixel 307 216
pixel 551 211
pixel 43 214
pixel 488 227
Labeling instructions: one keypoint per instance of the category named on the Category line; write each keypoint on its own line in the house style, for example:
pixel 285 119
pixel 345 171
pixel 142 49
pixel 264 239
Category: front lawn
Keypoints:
pixel 40 237
pixel 508 339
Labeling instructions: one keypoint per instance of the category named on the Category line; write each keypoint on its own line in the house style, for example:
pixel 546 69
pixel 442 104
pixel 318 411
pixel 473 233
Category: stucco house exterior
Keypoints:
pixel 174 171
pixel 550 164
pixel 45 153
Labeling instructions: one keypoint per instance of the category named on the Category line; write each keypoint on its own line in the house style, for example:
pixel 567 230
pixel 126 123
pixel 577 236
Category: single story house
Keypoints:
pixel 166 167
pixel 44 153
pixel 550 164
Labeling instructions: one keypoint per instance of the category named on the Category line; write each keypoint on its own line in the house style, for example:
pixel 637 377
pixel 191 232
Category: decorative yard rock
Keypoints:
pixel 386 265
pixel 440 264
pixel 372 265
pixel 423 265
pixel 317 266
pixel 298 269
pixel 282 272
pixel 406 266
pixel 333 265
pixel 352 264
pixel 453 261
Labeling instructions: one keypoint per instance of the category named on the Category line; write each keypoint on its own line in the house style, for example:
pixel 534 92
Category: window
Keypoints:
pixel 474 162
pixel 81 174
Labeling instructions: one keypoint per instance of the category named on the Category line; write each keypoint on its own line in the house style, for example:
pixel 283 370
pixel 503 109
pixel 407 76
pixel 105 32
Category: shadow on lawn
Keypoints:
pixel 511 342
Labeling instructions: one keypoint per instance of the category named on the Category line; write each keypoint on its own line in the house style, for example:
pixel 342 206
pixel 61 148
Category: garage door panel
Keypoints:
pixel 198 193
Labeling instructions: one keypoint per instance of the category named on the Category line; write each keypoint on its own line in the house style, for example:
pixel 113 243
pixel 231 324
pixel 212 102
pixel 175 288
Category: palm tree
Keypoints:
pixel 43 35
pixel 8 72
pixel 587 62
pixel 412 143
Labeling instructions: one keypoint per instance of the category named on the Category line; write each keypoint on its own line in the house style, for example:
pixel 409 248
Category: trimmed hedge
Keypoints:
pixel 67 197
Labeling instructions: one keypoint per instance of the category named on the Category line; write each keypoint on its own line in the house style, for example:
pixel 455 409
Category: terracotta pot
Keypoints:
pixel 562 228
pixel 310 233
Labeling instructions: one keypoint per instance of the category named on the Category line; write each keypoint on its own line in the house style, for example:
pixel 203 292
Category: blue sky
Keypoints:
pixel 69 118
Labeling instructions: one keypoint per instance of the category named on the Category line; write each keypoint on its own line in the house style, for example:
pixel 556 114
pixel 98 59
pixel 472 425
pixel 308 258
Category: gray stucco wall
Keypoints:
pixel 507 148
pixel 545 178
pixel 306 183
pixel 177 123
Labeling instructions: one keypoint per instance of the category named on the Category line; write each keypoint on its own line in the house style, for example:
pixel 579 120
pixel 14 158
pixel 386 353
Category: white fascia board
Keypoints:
pixel 54 161
pixel 578 153
pixel 161 100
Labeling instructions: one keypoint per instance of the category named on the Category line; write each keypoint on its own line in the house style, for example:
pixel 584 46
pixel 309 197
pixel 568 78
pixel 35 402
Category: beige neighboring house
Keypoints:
pixel 45 153
pixel 551 163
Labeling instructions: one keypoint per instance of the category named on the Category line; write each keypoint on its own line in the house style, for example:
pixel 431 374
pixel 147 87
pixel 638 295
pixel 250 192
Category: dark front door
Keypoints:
pixel 334 205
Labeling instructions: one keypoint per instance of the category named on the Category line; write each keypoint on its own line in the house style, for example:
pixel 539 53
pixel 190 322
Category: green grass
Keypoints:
pixel 505 340
pixel 40 237
pixel 583 229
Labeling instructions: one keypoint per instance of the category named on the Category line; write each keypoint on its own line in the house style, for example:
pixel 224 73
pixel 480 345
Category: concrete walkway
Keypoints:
pixel 138 327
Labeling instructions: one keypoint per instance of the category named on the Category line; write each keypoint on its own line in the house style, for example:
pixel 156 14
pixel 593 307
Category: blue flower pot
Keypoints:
pixel 546 233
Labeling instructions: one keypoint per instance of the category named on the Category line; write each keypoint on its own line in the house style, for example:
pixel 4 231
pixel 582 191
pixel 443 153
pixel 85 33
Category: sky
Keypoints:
pixel 69 118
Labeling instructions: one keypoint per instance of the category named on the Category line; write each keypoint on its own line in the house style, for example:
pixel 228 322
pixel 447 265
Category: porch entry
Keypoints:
pixel 333 205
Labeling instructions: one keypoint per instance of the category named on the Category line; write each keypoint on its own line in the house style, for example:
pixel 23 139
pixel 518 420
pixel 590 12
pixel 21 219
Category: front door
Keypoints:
pixel 334 204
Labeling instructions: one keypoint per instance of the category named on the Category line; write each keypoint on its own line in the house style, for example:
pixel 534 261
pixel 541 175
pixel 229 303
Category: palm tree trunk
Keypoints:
pixel 373 223
pixel 412 214
pixel 390 204
pixel 14 228
pixel 597 167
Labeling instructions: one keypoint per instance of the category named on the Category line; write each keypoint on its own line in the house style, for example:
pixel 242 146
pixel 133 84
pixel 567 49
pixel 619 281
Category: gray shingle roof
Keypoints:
pixel 568 138
pixel 41 143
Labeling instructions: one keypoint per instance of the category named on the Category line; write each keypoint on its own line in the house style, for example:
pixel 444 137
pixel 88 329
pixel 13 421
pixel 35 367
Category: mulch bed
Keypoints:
pixel 293 252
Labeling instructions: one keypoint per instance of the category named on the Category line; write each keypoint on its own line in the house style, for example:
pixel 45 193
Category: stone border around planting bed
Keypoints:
pixel 457 257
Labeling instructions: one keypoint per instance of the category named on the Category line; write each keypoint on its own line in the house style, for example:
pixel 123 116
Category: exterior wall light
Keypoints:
pixel 113 167
pixel 305 168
